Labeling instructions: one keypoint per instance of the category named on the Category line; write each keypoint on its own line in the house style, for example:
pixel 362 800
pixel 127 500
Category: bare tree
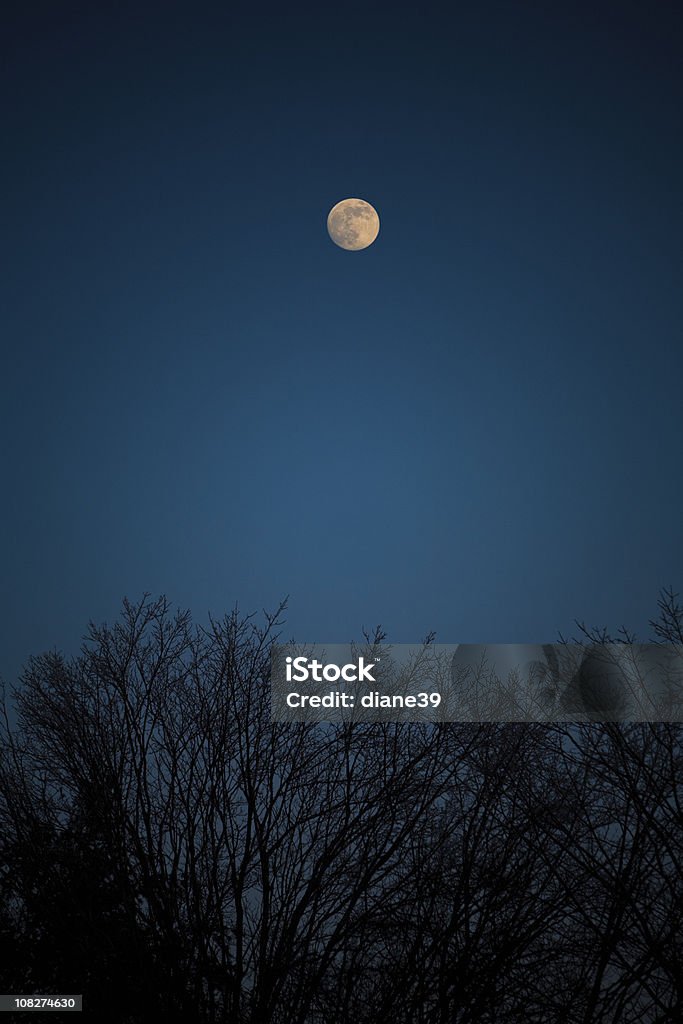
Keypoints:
pixel 171 851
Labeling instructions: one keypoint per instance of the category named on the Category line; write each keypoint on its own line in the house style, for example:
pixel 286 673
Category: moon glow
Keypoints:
pixel 353 224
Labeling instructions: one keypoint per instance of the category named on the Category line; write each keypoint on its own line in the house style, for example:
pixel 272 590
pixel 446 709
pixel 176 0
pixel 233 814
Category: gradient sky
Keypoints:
pixel 474 426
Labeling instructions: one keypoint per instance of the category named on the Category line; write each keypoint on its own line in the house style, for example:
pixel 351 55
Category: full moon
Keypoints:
pixel 353 224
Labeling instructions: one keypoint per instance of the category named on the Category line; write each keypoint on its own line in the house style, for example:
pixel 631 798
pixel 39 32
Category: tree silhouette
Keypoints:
pixel 171 852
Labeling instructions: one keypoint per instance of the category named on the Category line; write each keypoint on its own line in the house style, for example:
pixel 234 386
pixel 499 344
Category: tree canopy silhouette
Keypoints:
pixel 173 854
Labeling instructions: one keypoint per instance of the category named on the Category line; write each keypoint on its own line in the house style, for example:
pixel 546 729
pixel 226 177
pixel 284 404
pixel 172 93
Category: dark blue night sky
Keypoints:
pixel 474 426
